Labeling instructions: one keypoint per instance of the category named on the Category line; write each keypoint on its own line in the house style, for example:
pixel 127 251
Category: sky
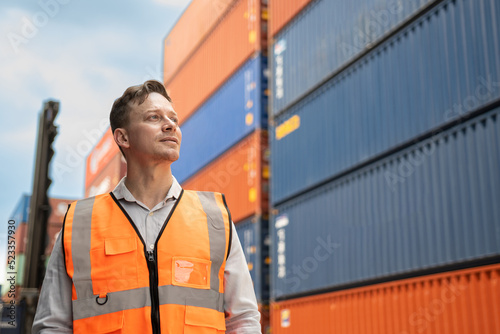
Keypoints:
pixel 83 54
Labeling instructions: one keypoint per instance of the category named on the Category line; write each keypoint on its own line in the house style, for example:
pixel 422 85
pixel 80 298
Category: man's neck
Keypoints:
pixel 149 184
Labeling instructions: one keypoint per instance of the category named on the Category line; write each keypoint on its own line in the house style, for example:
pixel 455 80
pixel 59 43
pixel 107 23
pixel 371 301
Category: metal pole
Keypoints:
pixel 39 213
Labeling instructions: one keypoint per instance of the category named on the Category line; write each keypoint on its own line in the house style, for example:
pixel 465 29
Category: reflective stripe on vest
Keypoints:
pixel 198 218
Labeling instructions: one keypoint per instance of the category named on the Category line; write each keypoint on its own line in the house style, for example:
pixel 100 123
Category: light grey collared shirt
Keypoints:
pixel 54 312
pixel 148 222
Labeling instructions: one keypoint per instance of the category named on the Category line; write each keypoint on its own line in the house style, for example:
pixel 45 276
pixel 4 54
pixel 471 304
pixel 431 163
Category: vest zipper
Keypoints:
pixel 152 265
pixel 153 287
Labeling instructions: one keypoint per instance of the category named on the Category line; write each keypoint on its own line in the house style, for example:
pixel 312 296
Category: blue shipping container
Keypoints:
pixel 439 69
pixel 428 206
pixel 326 35
pixel 234 111
pixel 254 237
pixel 21 212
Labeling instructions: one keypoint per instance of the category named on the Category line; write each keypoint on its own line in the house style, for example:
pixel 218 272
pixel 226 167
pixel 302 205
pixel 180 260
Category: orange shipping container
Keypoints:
pixel 457 302
pixel 189 31
pixel 229 45
pixel 282 11
pixel 100 156
pixel 108 177
pixel 240 174
pixel 58 208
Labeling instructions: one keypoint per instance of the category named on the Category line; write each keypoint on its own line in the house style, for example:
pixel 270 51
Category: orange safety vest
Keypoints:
pixel 121 286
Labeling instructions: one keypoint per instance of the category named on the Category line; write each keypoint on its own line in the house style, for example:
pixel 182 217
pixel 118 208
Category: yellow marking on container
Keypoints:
pixel 287 127
pixel 249 119
pixel 252 195
pixel 252 36
pixel 265 172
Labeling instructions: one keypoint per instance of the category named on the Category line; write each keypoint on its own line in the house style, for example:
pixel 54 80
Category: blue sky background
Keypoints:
pixel 83 54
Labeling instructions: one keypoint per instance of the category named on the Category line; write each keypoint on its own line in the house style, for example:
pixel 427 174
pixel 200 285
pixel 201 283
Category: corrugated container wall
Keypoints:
pixel 440 69
pixel 237 109
pixel 457 302
pixel 241 174
pixel 189 31
pixel 58 206
pixel 108 177
pixel 431 205
pixel 254 237
pixel 100 156
pixel 282 11
pixel 327 35
pixel 229 45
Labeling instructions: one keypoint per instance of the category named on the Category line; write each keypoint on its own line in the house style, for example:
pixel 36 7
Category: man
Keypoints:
pixel 149 257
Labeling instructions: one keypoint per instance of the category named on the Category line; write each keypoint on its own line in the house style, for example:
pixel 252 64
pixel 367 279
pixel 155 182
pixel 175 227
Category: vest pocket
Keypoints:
pixel 191 272
pixel 111 323
pixel 114 268
pixel 119 246
pixel 200 320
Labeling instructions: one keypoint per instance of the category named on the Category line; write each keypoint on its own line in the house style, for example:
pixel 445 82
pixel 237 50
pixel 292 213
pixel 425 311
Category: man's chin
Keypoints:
pixel 171 157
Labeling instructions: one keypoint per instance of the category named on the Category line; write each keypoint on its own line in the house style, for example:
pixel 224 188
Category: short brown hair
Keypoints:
pixel 118 117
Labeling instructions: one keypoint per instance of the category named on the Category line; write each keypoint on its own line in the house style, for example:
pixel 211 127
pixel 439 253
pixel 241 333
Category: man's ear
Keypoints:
pixel 121 138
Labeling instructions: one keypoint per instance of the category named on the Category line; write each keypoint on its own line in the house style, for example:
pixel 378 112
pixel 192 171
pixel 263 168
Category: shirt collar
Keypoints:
pixel 121 191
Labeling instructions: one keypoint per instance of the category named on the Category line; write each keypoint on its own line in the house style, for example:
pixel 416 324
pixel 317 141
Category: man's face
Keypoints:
pixel 153 130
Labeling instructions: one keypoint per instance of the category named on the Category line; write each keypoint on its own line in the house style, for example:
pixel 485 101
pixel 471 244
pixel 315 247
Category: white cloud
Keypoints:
pixel 81 73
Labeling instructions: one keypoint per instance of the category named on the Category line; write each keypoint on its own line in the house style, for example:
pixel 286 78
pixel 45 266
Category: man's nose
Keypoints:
pixel 169 125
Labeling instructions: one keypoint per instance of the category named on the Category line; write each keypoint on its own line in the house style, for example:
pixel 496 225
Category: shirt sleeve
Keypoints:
pixel 54 313
pixel 240 304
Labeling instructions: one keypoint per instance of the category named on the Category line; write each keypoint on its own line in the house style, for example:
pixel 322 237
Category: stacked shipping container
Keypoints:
pixel 432 204
pixel 105 166
pixel 385 155
pixel 406 86
pixel 240 174
pixel 192 27
pixel 218 84
pixel 236 37
pixel 15 263
pixel 19 219
pixel 458 302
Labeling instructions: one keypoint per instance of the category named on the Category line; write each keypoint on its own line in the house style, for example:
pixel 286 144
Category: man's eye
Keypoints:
pixel 153 117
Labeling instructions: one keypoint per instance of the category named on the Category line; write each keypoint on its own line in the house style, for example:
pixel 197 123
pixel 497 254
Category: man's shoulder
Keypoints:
pixel 203 192
pixel 91 199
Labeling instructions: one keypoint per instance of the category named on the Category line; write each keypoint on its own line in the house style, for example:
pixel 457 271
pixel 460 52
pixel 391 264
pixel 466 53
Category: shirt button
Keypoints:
pixel 150 213
pixel 152 246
